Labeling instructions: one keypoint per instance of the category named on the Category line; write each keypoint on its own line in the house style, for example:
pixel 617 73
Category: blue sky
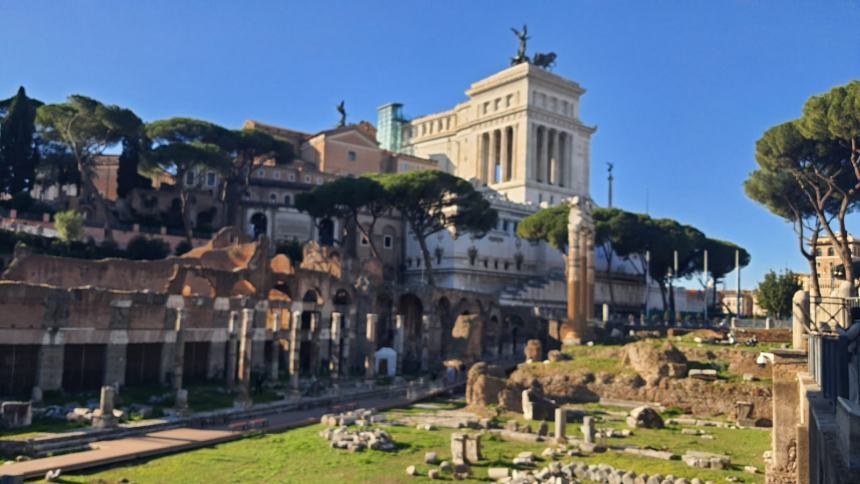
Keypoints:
pixel 679 90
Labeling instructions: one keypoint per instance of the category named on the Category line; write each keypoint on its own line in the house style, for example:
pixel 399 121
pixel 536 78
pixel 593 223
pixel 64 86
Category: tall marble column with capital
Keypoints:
pixel 580 273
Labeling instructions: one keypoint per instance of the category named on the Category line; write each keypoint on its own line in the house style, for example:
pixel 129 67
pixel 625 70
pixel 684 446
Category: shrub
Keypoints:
pixel 70 225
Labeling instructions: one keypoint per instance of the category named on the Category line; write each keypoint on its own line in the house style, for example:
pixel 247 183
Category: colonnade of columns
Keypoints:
pixel 552 156
pixel 496 154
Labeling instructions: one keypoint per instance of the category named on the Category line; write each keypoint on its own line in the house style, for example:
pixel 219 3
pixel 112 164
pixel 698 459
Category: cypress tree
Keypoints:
pixel 127 176
pixel 18 148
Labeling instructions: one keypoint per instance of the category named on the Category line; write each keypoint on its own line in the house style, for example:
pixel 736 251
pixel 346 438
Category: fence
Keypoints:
pixel 758 323
pixel 831 353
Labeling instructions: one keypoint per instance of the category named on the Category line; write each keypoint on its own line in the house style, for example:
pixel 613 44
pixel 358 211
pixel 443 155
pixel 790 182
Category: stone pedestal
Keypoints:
pixel 14 415
pixel 458 448
pixel 103 417
pixel 588 429
pixel 473 449
pixel 243 397
pixel 560 424
pixel 800 320
pixel 786 403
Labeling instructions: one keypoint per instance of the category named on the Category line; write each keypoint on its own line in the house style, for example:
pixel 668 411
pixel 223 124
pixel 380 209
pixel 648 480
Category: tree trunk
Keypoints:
pixel 671 302
pixel 662 285
pixel 368 234
pixel 186 224
pixel 232 199
pixel 428 268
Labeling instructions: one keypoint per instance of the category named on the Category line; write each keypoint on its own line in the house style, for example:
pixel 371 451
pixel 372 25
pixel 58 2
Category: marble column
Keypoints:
pixel 232 348
pixel 589 279
pixel 274 364
pixel 179 360
pixel 295 345
pixel 562 159
pixel 313 338
pixel 49 372
pixel 494 157
pixel 398 341
pixel 506 153
pixel 425 343
pixel 243 398
pixel 553 157
pixel 179 352
pixel 540 147
pixel 334 362
pixel 370 347
pixel 573 276
pixel 546 155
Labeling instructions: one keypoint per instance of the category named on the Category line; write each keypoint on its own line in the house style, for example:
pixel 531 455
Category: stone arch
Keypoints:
pixel 312 296
pixel 383 306
pixel 259 225
pixel 492 335
pixel 411 310
pixel 446 319
pixel 518 335
pixel 325 232
pixel 341 297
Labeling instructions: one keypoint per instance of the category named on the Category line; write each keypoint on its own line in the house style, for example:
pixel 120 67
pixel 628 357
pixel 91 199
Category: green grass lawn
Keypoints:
pixel 301 455
pixel 40 426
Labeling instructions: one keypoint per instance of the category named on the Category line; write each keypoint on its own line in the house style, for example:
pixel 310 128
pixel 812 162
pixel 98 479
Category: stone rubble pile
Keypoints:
pixel 706 460
pixel 86 415
pixel 558 473
pixel 358 440
pixel 361 416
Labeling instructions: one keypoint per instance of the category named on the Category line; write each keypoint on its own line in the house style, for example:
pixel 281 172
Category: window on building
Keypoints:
pixel 261 173
pixel 505 226
pixel 496 264
pixel 507 265
pixel 486 263
pixel 189 178
pixel 307 178
pixel 276 174
pixel 818 252
pixel 291 176
pixel 210 179
pixel 273 197
pixel 830 251
pixel 351 156
pixel 387 241
pixel 288 200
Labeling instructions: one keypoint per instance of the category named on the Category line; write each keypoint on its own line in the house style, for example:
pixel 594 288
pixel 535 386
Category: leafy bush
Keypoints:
pixel 70 225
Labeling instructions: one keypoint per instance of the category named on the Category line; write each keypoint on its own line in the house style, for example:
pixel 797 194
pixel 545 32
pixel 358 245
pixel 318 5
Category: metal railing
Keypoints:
pixel 828 360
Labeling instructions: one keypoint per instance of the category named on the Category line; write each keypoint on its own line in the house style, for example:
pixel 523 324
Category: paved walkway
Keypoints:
pixel 108 452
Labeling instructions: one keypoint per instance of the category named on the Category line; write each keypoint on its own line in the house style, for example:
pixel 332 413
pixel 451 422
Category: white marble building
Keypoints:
pixel 519 133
